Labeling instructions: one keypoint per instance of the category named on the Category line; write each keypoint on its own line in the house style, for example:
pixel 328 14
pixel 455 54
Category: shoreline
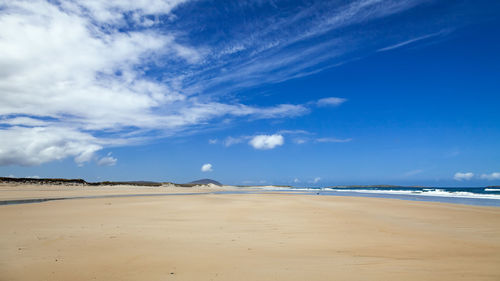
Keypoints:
pixel 36 193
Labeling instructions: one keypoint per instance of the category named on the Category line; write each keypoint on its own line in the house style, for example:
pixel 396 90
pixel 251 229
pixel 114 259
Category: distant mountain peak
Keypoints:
pixel 206 181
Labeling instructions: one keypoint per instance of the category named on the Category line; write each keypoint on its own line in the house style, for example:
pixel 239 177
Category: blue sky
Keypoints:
pixel 266 92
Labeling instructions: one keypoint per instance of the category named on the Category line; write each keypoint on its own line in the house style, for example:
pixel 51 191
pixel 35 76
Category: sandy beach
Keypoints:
pixel 268 236
pixel 33 191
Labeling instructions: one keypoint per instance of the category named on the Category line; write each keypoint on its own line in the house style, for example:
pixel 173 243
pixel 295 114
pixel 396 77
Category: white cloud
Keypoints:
pixel 266 141
pixel 34 146
pixel 206 168
pixel 492 176
pixel 296 180
pixel 232 140
pixel 112 11
pixel 80 67
pixel 57 65
pixel 107 160
pixel 68 67
pixel 332 101
pixel 300 141
pixel 24 121
pixel 467 176
pixel 316 180
pixel 463 176
pixel 335 140
pixel 213 141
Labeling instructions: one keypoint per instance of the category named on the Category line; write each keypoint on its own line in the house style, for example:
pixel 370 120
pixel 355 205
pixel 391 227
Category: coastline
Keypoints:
pixel 36 192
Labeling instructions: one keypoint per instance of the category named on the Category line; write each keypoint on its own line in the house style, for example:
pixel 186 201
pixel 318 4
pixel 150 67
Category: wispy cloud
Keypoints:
pixel 492 176
pixel 108 160
pixel 315 180
pixel 333 101
pixel 460 176
pixel 294 132
pixel 410 41
pixel 229 141
pixel 298 137
pixel 334 140
pixel 452 153
pixel 80 76
pixel 413 173
pixel 300 140
pixel 463 176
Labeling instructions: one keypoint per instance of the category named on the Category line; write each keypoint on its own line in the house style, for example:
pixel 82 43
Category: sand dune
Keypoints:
pixel 248 237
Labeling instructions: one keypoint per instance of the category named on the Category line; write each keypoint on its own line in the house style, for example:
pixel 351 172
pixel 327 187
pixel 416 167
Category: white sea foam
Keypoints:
pixel 282 188
pixel 426 192
pixel 437 192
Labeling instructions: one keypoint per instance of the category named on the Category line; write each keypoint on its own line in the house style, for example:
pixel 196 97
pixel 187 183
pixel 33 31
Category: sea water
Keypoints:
pixel 480 196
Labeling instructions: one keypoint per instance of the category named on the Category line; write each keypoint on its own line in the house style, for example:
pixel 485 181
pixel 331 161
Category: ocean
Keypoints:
pixel 480 196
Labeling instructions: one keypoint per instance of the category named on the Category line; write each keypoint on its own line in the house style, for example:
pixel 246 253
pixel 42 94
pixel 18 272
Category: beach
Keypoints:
pixel 39 191
pixel 261 236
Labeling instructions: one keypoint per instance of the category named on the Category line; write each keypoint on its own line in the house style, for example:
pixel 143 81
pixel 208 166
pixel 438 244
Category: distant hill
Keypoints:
pixel 205 181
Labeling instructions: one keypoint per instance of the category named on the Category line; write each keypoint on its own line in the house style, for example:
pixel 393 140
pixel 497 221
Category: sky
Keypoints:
pixel 302 93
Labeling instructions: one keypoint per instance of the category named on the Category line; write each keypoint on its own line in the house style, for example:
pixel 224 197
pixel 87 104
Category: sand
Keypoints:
pixel 248 237
pixel 33 191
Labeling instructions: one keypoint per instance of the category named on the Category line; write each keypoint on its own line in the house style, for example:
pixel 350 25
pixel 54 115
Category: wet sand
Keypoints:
pixel 33 191
pixel 248 237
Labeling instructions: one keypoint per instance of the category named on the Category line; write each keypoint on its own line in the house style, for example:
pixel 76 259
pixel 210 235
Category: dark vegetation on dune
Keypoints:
pixel 82 182
pixel 139 183
pixel 43 181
